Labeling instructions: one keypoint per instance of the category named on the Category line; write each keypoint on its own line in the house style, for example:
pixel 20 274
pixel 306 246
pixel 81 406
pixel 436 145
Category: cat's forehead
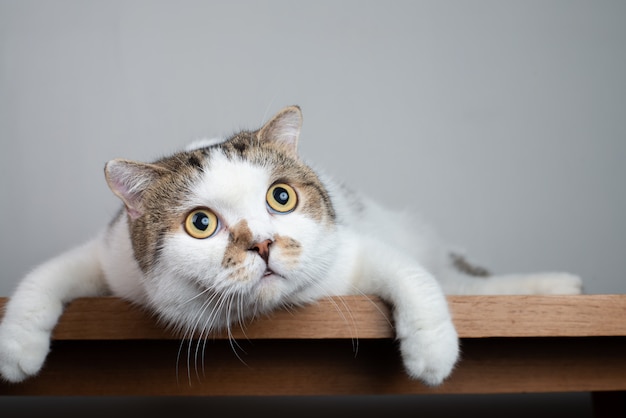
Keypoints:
pixel 230 181
pixel 233 177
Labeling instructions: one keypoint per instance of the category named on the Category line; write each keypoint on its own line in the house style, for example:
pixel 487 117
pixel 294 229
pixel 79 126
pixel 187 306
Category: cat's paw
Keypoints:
pixel 22 352
pixel 430 355
pixel 556 284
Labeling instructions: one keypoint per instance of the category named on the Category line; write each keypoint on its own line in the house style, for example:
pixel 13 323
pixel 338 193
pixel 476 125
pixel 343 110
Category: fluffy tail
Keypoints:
pixel 464 278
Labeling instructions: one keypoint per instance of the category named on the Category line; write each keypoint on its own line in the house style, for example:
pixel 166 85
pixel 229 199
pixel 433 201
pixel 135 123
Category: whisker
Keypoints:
pixel 234 345
pixel 222 309
pixel 289 307
pixel 369 299
pixel 190 331
pixel 180 350
pixel 196 296
pixel 355 332
pixel 241 319
pixel 349 321
pixel 207 328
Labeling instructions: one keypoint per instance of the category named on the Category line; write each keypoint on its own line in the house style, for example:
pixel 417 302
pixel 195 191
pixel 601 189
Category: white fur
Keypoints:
pixel 203 143
pixel 34 309
pixel 371 250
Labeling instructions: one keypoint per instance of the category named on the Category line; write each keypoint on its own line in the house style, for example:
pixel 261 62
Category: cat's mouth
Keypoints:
pixel 268 272
pixel 271 274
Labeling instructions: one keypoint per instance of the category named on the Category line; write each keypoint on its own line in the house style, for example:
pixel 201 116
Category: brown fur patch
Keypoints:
pixel 315 202
pixel 161 205
pixel 291 249
pixel 290 246
pixel 239 242
pixel 239 145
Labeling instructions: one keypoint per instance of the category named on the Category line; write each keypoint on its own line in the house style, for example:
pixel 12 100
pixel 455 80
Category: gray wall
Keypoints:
pixel 504 123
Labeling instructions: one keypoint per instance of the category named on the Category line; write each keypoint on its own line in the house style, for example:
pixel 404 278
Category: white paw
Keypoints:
pixel 22 352
pixel 556 284
pixel 430 355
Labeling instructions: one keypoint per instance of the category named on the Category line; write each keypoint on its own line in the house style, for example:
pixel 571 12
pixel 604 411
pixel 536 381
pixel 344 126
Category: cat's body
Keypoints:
pixel 225 231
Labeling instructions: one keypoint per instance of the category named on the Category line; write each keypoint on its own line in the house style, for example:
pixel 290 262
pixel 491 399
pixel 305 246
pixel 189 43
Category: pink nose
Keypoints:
pixel 263 248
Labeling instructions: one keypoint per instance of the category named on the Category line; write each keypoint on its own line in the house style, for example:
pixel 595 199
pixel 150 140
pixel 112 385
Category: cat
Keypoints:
pixel 226 230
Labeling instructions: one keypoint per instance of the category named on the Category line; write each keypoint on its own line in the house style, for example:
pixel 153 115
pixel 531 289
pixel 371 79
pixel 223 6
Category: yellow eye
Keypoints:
pixel 201 223
pixel 282 198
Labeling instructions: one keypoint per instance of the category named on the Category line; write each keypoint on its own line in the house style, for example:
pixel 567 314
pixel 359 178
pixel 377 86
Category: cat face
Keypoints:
pixel 230 229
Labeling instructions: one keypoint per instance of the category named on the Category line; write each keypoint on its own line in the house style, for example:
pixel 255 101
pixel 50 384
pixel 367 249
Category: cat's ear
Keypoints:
pixel 129 180
pixel 283 129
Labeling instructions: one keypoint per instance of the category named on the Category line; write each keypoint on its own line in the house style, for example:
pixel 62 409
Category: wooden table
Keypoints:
pixel 341 346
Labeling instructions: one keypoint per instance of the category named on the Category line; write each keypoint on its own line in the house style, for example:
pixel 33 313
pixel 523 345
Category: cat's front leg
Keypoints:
pixel 35 307
pixel 428 340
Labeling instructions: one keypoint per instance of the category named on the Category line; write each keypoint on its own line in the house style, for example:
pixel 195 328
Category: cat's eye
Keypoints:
pixel 281 198
pixel 201 223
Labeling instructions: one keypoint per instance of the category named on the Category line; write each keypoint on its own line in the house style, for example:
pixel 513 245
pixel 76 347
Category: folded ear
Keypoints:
pixel 283 129
pixel 129 180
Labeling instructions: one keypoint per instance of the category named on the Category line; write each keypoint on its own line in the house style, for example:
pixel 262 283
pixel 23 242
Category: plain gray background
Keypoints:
pixel 503 123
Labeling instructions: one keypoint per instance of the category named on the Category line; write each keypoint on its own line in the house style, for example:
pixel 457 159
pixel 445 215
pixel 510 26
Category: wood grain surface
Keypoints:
pixel 339 346
pixel 367 317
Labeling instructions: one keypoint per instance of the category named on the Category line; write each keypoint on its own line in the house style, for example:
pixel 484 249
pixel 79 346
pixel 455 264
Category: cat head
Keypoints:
pixel 227 229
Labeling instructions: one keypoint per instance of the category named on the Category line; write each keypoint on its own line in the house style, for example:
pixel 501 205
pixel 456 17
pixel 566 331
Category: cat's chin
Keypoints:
pixel 269 278
pixel 270 289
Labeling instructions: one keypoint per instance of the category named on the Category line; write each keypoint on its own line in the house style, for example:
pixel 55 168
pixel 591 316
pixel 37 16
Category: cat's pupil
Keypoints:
pixel 200 221
pixel 281 195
